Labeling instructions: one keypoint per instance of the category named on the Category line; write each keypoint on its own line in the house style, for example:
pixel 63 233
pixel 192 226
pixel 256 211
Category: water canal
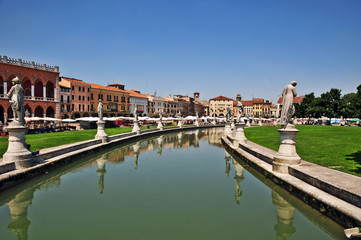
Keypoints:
pixel 176 186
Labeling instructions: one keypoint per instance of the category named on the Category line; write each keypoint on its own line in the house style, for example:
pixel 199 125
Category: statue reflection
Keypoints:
pixel 238 177
pixel 19 223
pixel 160 145
pixel 101 171
pixel 136 147
pixel 180 135
pixel 228 162
pixel 284 227
pixel 196 139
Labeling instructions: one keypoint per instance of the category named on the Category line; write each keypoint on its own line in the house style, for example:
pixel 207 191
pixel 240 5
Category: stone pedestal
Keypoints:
pixel 101 131
pixel 17 151
pixel 196 123
pixel 239 136
pixel 248 124
pixel 287 154
pixel 260 123
pixel 160 125
pixel 228 129
pixel 180 124
pixel 232 125
pixel 136 127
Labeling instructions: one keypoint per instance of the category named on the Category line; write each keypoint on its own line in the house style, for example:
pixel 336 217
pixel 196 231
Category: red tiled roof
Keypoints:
pixel 247 103
pixel 135 93
pixel 222 98
pixel 75 80
pixel 258 100
pixel 295 99
pixel 97 86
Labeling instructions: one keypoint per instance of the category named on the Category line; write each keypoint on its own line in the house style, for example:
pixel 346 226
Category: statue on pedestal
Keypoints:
pixel 100 110
pixel 288 110
pixel 16 96
pixel 239 110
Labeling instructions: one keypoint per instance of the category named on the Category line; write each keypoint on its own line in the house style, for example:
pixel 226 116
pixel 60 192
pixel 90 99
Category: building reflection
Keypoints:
pixel 238 177
pixel 284 227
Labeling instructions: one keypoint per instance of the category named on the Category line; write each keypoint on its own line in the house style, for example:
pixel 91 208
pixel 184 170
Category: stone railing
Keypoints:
pixel 32 64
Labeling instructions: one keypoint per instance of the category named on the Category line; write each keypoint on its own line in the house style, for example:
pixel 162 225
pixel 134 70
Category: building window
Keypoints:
pixel 68 97
pixel 116 99
pixel 92 107
pixel 72 107
pixel 123 108
pixel 91 96
pixel 122 99
pixel 79 97
pixel 79 109
pixel 83 107
pixel 72 97
pixel 109 97
pixel 61 98
pixel 88 89
pixel 83 98
pixel 100 96
pixel 83 89
pixel 72 88
pixel 88 99
pixel 79 89
pixel 88 108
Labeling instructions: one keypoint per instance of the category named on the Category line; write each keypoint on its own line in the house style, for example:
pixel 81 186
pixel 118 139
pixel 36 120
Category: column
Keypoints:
pixel 44 93
pixel 32 91
pixel 5 87
pixel 55 95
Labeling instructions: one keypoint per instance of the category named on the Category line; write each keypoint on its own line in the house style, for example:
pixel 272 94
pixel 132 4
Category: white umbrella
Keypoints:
pixel 68 120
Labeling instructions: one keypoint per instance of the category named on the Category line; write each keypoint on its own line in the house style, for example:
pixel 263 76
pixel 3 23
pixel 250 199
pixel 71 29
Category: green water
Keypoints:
pixel 177 186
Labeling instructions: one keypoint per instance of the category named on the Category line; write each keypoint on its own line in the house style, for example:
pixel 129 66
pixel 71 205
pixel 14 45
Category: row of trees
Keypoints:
pixel 331 104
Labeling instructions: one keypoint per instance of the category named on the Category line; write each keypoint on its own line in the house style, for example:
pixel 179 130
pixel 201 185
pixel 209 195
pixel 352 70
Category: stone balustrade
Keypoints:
pixel 20 62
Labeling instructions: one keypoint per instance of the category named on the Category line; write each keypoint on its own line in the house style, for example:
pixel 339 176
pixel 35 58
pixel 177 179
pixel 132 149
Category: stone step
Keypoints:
pixel 6 167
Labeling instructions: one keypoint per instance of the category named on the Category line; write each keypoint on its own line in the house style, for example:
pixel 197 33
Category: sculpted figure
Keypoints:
pixel 229 115
pixel 135 112
pixel 240 111
pixel 16 97
pixel 287 105
pixel 100 110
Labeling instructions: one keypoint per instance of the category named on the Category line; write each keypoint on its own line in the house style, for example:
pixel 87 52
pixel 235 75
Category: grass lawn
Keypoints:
pixel 329 146
pixel 47 140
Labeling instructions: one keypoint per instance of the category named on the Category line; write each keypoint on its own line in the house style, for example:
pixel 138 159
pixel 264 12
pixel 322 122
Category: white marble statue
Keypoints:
pixel 229 115
pixel 239 111
pixel 16 97
pixel 135 113
pixel 100 110
pixel 288 110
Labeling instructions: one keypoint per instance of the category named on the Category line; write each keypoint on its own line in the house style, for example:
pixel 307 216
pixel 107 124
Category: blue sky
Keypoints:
pixel 216 47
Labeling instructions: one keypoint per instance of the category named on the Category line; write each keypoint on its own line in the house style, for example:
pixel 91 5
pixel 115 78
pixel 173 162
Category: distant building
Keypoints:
pixel 155 105
pixel 219 106
pixel 80 98
pixel 115 101
pixel 139 100
pixel 40 83
pixel 247 108
pixel 65 96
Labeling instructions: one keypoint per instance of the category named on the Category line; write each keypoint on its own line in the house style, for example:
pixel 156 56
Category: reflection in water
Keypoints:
pixel 21 198
pixel 160 145
pixel 284 227
pixel 19 223
pixel 228 162
pixel 101 171
pixel 136 147
pixel 238 177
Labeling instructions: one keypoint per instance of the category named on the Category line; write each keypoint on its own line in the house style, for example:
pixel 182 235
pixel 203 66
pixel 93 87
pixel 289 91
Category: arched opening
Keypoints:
pixel 75 115
pixel 1 85
pixel 38 89
pixel 50 112
pixel 27 110
pixel 10 112
pixel 86 115
pixel 26 84
pixel 2 117
pixel 221 115
pixel 39 112
pixel 49 90
pixel 9 82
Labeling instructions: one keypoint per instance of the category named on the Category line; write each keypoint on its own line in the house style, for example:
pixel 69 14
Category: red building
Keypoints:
pixel 40 83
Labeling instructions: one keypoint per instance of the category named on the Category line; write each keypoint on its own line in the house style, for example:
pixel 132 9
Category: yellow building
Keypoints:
pixel 115 101
pixel 219 106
